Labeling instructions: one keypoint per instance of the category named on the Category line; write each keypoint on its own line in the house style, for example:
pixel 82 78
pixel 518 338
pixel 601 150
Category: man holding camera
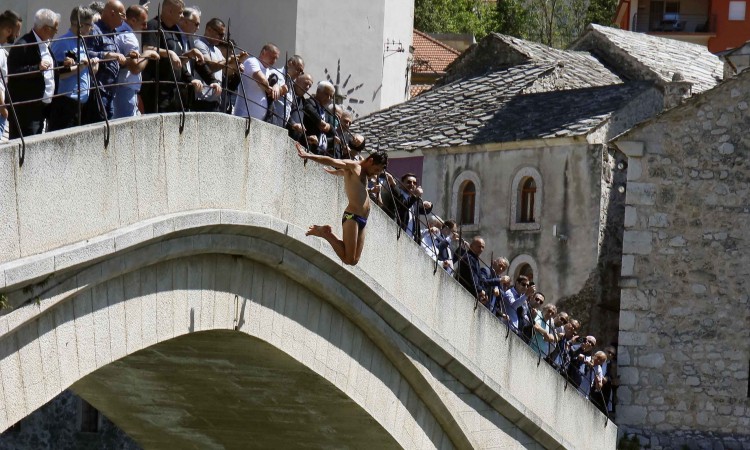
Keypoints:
pixel 260 84
pixel 65 110
pixel 580 362
pixel 515 299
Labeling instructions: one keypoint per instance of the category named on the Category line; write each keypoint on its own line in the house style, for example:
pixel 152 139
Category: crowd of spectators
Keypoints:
pixel 553 335
pixel 114 62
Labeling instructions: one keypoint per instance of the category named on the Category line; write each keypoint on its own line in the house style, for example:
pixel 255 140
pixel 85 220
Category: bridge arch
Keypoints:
pixel 160 203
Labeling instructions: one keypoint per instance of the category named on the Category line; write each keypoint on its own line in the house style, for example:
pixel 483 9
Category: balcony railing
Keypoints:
pixel 675 23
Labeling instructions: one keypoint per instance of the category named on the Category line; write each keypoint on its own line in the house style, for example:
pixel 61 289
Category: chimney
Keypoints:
pixel 676 91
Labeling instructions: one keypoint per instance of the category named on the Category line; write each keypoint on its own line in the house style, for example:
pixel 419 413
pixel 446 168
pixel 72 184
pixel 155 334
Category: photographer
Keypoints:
pixel 527 311
pixel 514 298
pixel 580 361
pixel 403 201
pixel 559 356
pixel 495 287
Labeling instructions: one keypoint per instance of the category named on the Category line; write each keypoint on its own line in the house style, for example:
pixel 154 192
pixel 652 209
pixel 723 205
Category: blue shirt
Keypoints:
pixel 69 86
pixel 102 42
pixel 127 42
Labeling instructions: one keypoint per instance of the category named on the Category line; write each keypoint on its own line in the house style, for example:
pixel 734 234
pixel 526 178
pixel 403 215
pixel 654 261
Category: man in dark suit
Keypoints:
pixel 406 199
pixel 469 269
pixel 318 121
pixel 32 60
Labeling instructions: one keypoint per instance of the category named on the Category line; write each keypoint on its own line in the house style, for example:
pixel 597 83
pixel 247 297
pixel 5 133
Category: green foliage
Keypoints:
pixel 556 23
pixel 602 12
pixel 512 18
pixel 454 16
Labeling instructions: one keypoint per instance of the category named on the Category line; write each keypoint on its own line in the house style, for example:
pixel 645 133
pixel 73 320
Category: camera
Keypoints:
pixel 72 55
pixel 273 79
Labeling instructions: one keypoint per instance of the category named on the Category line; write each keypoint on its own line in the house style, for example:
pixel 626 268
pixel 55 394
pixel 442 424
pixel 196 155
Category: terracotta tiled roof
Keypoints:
pixel 416 89
pixel 431 55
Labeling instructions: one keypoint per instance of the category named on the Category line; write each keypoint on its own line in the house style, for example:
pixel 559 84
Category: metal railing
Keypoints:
pixel 97 87
pixel 674 23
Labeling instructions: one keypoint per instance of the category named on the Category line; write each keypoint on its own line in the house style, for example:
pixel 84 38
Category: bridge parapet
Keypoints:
pixel 98 213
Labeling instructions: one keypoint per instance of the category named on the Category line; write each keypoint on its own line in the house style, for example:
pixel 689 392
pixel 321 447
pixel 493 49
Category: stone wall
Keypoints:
pixel 684 336
pixel 54 426
pixel 568 190
pixel 575 266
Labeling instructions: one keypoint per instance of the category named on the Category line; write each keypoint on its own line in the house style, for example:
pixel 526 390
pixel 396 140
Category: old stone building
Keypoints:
pixel 514 145
pixel 684 339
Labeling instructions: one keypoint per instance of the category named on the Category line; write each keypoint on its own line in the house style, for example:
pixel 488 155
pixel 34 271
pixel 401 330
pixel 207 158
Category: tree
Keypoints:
pixel 512 18
pixel 557 23
pixel 454 16
pixel 602 12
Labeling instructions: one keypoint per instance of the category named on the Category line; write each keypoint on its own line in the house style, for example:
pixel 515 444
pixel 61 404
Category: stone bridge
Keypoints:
pixel 166 279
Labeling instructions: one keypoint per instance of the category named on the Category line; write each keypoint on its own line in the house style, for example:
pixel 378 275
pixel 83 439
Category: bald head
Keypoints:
pixel 113 14
pixel 477 245
pixel 302 84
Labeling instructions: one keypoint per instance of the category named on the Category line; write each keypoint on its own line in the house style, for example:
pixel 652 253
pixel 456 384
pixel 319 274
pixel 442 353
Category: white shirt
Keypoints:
pixel 257 104
pixel 49 74
pixel 410 219
pixel 4 70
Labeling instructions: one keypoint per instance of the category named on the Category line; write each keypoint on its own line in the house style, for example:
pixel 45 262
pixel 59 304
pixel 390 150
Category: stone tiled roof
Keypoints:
pixel 509 104
pixel 656 56
pixel 431 55
pixel 497 50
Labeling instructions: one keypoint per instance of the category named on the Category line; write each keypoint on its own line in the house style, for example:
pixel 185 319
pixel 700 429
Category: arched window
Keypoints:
pixel 468 202
pixel 527 195
pixel 527 270
pixel 524 265
pixel 528 192
pixel 466 195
